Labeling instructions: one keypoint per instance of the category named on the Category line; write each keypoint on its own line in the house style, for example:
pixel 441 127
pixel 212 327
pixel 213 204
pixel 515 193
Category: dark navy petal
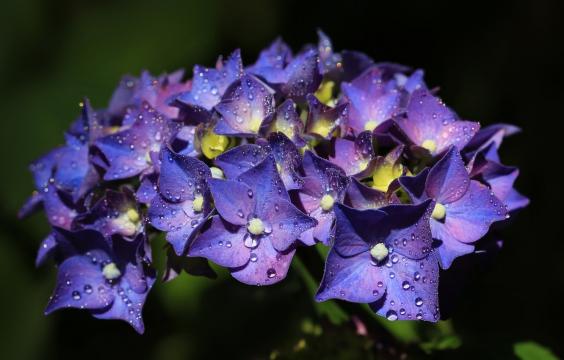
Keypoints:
pixel 415 186
pixel 352 235
pixel 409 230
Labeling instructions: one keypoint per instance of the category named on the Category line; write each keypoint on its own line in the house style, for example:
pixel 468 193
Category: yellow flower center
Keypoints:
pixel 430 145
pixel 379 252
pixel 213 144
pixel 327 202
pixel 111 271
pixel 370 125
pixel 198 203
pixel 255 226
pixel 439 212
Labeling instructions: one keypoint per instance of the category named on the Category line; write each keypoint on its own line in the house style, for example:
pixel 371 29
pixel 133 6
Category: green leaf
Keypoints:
pixel 530 350
pixel 329 308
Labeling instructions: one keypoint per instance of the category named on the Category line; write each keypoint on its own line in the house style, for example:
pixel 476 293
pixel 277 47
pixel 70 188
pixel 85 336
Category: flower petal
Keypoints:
pixel 353 278
pixel 221 243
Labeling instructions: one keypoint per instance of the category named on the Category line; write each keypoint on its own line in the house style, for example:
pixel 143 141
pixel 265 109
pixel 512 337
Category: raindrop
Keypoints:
pixel 391 315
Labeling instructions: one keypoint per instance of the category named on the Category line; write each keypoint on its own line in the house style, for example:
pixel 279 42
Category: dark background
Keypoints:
pixel 495 62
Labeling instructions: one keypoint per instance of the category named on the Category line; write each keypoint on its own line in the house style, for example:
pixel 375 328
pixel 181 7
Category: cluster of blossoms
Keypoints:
pixel 243 165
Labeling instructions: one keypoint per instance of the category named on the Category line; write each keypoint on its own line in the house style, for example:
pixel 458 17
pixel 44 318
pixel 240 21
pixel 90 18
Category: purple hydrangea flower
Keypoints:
pixel 287 121
pixel 244 107
pixel 487 141
pixel 372 101
pixel 244 157
pixel 300 75
pixel 257 226
pixel 271 62
pixel 115 213
pixel 128 152
pixel 208 86
pixel 184 202
pixel 464 208
pixel 330 62
pixel 324 186
pixel 108 277
pixel 362 197
pixel 156 91
pixel 389 264
pixel 355 156
pixel 323 120
pixel 499 178
pixel 429 124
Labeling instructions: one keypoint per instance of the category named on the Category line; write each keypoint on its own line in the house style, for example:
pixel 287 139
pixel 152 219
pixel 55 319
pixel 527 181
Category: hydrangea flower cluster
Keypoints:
pixel 244 165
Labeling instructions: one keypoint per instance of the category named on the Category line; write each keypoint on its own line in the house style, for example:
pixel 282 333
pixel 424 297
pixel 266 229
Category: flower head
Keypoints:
pixel 389 264
pixel 108 277
pixel 464 208
pixel 430 124
pixel 183 202
pixel 324 186
pixel 129 152
pixel 256 228
pixel 208 86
